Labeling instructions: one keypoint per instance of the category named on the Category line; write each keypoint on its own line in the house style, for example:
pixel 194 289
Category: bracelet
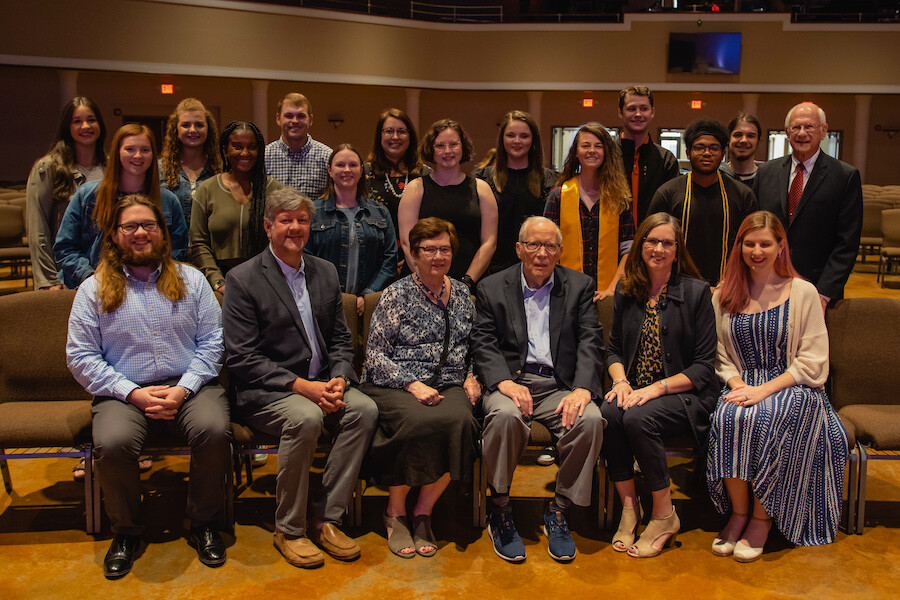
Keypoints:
pixel 618 381
pixel 665 385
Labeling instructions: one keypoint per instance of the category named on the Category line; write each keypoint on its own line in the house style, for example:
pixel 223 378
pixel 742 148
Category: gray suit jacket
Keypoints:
pixel 824 236
pixel 499 338
pixel 266 344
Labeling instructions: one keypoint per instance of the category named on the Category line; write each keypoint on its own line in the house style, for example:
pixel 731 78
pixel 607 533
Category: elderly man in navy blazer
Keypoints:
pixel 819 201
pixel 538 348
pixel 291 360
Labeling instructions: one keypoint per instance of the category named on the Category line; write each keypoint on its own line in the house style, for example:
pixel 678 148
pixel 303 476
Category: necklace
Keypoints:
pixel 428 292
pixel 390 186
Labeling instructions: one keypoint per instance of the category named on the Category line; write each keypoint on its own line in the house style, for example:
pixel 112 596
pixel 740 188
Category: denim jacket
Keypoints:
pixel 78 242
pixel 376 237
pixel 184 191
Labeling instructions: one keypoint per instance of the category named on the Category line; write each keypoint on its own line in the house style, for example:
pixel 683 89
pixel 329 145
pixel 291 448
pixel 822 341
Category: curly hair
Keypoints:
pixel 427 148
pixel 170 157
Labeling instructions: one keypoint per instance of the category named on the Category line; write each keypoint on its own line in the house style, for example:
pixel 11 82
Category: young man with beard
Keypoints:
pixel 647 164
pixel 744 133
pixel 710 207
pixel 145 338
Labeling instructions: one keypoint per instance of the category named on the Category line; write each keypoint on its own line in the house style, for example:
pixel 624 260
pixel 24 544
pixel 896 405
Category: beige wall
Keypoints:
pixel 352 70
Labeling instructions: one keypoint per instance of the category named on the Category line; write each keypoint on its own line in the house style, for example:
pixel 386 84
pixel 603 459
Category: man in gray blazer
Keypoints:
pixel 290 357
pixel 538 348
pixel 819 202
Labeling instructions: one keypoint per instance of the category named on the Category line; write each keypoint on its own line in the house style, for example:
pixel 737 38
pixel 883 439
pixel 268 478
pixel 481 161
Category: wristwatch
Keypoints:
pixel 467 279
pixel 218 286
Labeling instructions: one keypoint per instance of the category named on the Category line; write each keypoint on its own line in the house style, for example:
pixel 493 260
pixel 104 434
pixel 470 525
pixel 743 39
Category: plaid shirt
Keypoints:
pixel 147 339
pixel 590 230
pixel 306 170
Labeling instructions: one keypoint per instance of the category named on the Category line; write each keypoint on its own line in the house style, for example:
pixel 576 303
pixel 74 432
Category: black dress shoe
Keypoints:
pixel 209 545
pixel 120 555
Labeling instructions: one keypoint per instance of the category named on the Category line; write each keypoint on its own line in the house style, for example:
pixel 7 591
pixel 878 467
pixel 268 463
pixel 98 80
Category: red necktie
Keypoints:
pixel 795 192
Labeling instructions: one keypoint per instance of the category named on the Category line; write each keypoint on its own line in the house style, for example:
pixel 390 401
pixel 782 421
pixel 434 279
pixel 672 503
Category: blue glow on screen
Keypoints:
pixel 705 53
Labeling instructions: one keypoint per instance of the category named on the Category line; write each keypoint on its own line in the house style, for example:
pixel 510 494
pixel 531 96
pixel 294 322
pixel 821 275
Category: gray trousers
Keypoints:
pixel 298 423
pixel 506 432
pixel 120 431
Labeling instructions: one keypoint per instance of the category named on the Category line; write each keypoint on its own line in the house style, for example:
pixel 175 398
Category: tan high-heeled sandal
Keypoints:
pixel 628 524
pixel 656 530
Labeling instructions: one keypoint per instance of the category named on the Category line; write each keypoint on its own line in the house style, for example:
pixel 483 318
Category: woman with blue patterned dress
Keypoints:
pixel 419 374
pixel 777 448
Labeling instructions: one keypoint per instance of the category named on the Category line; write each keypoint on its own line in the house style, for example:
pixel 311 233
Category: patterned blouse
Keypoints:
pixel 406 336
pixel 648 367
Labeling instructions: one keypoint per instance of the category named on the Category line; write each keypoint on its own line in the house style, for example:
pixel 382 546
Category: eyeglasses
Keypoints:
pixel 398 132
pixel 807 127
pixel 651 243
pixel 430 251
pixel 148 226
pixel 451 146
pixel 701 148
pixel 550 247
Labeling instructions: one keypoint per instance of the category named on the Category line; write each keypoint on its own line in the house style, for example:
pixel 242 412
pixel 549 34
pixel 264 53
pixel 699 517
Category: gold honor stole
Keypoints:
pixel 570 225
pixel 726 224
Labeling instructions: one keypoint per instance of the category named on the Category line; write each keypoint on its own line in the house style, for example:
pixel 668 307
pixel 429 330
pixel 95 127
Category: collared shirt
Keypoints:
pixel 147 339
pixel 537 319
pixel 296 280
pixel 306 169
pixel 808 164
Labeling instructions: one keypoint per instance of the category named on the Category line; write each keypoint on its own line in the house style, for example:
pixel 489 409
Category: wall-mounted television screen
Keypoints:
pixel 705 53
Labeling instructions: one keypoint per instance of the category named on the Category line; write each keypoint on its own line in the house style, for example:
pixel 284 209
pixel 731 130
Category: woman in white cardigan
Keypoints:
pixel 777 448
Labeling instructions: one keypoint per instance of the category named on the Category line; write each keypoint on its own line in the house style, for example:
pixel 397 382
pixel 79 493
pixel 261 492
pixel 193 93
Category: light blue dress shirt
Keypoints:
pixel 537 321
pixel 148 339
pixel 296 280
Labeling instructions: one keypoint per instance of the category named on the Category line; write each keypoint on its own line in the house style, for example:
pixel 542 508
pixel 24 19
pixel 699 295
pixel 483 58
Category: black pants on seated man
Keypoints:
pixel 120 431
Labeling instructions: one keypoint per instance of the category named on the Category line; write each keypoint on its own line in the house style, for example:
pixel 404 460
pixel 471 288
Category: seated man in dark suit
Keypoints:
pixel 291 360
pixel 538 348
pixel 819 201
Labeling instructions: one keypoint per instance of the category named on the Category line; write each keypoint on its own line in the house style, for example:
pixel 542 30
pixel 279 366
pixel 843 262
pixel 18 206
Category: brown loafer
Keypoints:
pixel 332 540
pixel 299 552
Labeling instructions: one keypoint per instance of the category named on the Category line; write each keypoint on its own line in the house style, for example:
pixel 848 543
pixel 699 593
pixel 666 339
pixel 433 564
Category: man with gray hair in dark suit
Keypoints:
pixel 290 355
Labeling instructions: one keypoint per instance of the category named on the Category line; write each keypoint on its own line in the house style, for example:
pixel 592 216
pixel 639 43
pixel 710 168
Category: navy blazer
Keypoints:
pixel 499 338
pixel 824 236
pixel 687 334
pixel 265 341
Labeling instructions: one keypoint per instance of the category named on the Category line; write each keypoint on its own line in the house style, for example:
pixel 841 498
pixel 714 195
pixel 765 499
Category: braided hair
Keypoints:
pixel 258 181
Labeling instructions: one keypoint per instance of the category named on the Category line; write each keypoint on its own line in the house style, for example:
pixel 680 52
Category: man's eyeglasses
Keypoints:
pixel 807 127
pixel 550 247
pixel 148 226
pixel 701 148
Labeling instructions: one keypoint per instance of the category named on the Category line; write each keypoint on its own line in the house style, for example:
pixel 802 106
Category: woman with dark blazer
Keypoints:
pixel 662 352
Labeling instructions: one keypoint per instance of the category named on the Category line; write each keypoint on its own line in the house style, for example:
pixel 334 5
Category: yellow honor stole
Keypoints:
pixel 573 241
pixel 726 223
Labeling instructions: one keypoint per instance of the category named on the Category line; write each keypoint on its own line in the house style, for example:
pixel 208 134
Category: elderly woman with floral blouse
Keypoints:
pixel 419 374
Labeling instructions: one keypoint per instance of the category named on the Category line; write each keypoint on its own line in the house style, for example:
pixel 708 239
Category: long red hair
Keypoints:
pixel 734 289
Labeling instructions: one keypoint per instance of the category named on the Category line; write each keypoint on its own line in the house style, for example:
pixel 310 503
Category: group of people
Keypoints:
pixel 718 328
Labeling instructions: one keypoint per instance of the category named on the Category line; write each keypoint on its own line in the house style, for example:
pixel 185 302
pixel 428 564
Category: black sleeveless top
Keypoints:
pixel 459 205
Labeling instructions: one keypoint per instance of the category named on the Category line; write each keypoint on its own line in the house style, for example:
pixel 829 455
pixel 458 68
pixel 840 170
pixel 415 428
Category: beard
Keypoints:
pixel 146 259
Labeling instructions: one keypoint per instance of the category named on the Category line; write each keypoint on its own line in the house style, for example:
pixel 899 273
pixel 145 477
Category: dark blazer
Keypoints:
pixel 687 334
pixel 499 338
pixel 824 237
pixel 265 341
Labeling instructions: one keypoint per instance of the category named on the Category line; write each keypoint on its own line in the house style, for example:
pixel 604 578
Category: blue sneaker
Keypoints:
pixel 507 543
pixel 562 546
